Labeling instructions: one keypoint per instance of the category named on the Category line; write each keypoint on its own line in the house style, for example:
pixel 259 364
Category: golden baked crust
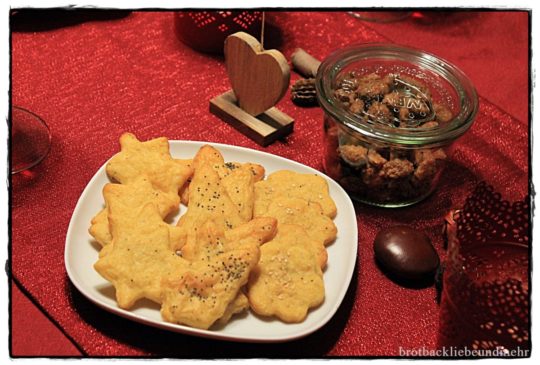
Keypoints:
pixel 210 289
pixel 139 256
pixel 198 269
pixel 150 160
pixel 288 280
pixel 312 188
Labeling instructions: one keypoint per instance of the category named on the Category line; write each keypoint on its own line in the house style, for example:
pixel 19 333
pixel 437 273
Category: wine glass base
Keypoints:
pixel 30 139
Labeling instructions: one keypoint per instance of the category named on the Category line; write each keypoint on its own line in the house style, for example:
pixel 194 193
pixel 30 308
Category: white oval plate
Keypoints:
pixel 81 252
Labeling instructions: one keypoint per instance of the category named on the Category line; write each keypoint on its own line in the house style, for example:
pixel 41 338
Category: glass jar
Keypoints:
pixel 391 114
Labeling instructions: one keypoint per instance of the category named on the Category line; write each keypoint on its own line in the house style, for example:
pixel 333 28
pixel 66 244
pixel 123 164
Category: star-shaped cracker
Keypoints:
pixel 139 256
pixel 99 227
pixel 288 280
pixel 151 158
pixel 310 187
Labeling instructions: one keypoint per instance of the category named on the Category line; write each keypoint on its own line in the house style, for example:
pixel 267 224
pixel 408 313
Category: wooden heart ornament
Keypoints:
pixel 258 78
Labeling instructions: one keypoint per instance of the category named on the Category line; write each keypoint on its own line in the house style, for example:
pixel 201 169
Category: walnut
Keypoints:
pixel 303 92
pixel 375 159
pixel 355 156
pixel 397 168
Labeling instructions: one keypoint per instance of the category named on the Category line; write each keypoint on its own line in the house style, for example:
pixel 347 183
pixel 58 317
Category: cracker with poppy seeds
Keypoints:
pixel 238 180
pixel 285 183
pixel 221 193
pixel 210 241
pixel 133 196
pixel 234 176
pixel 203 294
pixel 210 200
pixel 308 215
pixel 205 248
pixel 288 279
pixel 239 304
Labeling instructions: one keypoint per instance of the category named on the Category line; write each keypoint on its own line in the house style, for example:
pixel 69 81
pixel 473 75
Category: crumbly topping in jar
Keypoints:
pixel 386 174
pixel 392 99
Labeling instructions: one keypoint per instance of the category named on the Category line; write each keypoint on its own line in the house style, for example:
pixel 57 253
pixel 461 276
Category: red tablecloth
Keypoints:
pixel 95 80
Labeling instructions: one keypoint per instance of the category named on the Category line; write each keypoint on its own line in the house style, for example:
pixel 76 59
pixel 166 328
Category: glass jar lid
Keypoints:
pixel 396 95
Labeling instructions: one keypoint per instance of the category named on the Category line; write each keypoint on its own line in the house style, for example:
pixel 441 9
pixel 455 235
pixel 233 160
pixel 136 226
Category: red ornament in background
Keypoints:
pixel 206 31
pixel 485 303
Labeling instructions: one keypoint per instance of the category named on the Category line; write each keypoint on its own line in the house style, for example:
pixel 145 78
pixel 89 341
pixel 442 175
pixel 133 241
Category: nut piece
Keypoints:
pixel 345 96
pixel 428 163
pixel 375 159
pixel 304 93
pixel 429 125
pixel 373 85
pixel 427 154
pixel 355 156
pixel 396 168
pixel 380 113
pixel 442 113
pixel 405 114
pixel 357 106
pixel 426 170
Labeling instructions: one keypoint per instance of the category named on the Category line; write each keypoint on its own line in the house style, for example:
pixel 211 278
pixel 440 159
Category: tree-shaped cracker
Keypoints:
pixel 203 294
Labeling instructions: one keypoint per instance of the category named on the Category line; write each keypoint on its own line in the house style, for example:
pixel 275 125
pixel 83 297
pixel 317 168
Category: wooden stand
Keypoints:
pixel 264 128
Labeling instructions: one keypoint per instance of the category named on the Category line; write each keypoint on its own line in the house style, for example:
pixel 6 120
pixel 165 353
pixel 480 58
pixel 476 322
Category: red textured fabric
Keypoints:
pixel 95 80
pixel 25 315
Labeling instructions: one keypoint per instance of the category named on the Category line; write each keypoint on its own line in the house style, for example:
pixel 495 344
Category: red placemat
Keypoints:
pixel 93 81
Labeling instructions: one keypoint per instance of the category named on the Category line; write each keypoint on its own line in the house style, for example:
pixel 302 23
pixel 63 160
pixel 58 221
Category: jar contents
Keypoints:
pixel 377 173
